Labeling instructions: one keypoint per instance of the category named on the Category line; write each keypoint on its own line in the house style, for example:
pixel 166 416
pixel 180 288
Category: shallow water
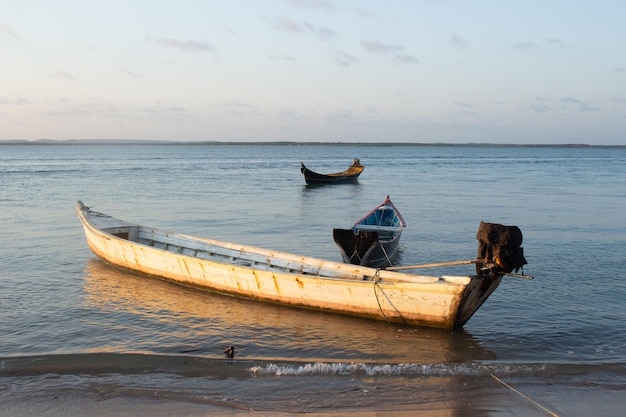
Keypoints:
pixel 71 322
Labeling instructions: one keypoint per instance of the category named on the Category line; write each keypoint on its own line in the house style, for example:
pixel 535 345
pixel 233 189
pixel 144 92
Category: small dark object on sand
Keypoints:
pixel 230 352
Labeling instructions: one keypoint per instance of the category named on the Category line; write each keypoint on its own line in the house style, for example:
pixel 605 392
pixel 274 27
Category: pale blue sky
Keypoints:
pixel 424 71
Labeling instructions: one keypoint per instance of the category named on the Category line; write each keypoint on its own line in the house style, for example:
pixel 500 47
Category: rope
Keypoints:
pixel 376 279
pixel 550 413
pixel 386 256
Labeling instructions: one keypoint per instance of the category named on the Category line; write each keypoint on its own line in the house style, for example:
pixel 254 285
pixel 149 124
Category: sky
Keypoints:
pixel 419 71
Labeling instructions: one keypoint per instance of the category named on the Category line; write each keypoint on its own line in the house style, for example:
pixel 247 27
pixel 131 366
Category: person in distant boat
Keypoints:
pixel 356 162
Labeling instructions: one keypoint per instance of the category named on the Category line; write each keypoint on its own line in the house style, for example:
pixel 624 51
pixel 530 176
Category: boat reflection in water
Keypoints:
pixel 154 315
pixel 173 341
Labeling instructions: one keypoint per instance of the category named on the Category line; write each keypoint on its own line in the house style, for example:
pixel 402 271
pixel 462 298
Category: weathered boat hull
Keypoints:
pixel 442 302
pixel 348 176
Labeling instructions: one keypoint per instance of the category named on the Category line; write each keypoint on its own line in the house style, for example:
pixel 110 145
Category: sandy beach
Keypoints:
pixel 497 399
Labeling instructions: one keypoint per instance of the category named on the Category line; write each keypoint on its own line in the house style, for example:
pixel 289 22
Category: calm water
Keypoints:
pixel 70 322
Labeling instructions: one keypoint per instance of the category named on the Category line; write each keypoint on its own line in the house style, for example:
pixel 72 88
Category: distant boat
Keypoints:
pixel 294 280
pixel 373 239
pixel 349 175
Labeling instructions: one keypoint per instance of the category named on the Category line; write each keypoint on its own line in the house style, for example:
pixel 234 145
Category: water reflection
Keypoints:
pixel 136 312
pixel 349 185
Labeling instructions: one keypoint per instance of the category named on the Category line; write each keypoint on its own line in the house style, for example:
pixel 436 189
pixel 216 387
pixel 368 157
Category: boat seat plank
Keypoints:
pixel 375 228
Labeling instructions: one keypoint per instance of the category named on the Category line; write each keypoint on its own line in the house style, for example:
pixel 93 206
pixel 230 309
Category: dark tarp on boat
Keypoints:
pixel 500 245
pixel 355 247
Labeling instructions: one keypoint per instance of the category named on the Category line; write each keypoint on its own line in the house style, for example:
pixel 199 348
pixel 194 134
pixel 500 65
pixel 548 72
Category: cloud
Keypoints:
pixel 61 75
pixel 372 110
pixel 342 115
pixel 160 107
pixel 234 103
pixel 130 73
pixel 546 105
pixel 344 59
pixel 96 109
pixel 287 57
pixel 404 59
pixel 541 105
pixel 463 104
pixel 363 13
pixel 555 42
pixel 4 29
pixel 287 24
pixel 548 42
pixel 15 101
pixel 239 108
pixel 291 115
pixel 376 47
pixel 457 42
pixel 315 5
pixel 84 107
pixel 582 105
pixel 185 46
pixel 524 45
pixel 394 50
pixel 322 33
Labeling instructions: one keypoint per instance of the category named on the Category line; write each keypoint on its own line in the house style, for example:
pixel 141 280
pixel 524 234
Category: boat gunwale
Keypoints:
pixel 357 274
pixel 351 171
pixel 389 203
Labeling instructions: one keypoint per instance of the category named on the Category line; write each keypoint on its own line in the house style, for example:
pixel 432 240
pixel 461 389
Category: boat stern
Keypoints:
pixel 475 294
pixel 499 252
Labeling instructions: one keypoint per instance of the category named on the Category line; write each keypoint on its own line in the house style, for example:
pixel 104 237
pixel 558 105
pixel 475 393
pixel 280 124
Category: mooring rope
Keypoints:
pixel 376 279
pixel 550 413
pixel 386 255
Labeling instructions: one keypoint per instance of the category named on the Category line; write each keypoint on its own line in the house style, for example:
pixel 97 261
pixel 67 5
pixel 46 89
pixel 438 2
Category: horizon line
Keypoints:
pixel 9 142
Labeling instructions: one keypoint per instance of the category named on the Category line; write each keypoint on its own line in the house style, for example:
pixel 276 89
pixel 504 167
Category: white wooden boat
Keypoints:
pixel 266 275
pixel 373 239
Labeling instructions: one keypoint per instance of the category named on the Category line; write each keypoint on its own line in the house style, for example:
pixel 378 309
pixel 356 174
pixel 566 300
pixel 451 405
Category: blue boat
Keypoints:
pixel 373 240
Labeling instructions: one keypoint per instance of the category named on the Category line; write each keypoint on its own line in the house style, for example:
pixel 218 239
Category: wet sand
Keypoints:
pixel 493 400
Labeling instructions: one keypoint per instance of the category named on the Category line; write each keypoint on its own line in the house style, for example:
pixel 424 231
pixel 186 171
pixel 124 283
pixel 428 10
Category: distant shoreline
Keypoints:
pixel 288 143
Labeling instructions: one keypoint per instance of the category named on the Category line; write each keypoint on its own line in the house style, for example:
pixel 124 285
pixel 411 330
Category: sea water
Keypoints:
pixel 72 323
